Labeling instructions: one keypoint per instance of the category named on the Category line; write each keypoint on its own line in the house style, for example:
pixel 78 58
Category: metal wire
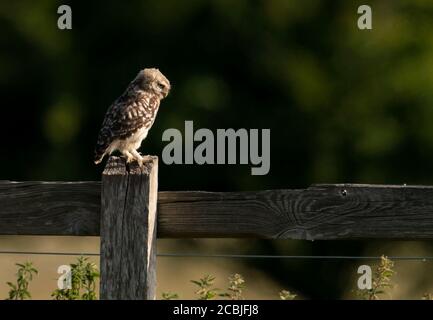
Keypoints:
pixel 298 257
pixel 235 256
pixel 50 253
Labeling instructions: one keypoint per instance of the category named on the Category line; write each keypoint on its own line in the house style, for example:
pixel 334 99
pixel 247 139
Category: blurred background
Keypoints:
pixel 343 105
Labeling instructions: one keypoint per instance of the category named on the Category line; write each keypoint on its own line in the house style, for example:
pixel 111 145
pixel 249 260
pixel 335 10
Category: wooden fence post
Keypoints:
pixel 128 230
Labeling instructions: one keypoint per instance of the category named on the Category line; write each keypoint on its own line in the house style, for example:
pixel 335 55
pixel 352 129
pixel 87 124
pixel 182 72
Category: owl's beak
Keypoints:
pixel 166 91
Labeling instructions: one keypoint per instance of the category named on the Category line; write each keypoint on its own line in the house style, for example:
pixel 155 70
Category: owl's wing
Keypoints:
pixel 124 118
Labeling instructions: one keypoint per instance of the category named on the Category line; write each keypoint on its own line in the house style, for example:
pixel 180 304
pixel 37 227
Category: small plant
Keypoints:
pixel 169 296
pixel 205 291
pixel 236 286
pixel 427 296
pixel 287 295
pixel 381 280
pixel 234 290
pixel 25 273
pixel 83 282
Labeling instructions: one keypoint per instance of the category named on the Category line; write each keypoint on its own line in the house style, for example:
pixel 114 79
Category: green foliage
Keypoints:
pixel 235 288
pixel 206 291
pixel 287 295
pixel 169 296
pixel 427 296
pixel 205 288
pixel 381 280
pixel 84 275
pixel 19 290
pixel 83 282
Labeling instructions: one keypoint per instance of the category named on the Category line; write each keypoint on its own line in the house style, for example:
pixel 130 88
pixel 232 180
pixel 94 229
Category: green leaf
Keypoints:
pixel 196 282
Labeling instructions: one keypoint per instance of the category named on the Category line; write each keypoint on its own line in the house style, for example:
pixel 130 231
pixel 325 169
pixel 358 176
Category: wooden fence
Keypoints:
pixel 128 213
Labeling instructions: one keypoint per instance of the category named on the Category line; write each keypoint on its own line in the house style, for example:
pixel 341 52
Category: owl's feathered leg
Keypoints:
pixel 129 157
pixel 137 156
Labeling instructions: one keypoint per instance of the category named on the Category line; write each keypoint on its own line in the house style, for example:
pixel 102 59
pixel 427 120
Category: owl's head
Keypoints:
pixel 154 81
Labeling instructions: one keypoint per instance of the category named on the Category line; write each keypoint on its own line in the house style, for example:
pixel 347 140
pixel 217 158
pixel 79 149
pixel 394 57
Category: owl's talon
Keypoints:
pixel 137 157
pixel 128 156
pixel 140 162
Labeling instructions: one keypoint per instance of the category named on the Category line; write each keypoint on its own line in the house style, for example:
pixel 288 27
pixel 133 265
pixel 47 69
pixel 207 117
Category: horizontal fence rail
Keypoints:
pixel 327 211
pixel 128 213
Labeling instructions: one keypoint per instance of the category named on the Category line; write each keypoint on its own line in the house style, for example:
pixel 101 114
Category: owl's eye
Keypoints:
pixel 161 85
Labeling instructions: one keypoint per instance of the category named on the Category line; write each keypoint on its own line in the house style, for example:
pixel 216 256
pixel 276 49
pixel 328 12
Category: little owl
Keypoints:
pixel 130 117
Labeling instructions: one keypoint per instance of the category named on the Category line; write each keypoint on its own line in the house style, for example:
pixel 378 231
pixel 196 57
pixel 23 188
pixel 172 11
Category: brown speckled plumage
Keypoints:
pixel 131 116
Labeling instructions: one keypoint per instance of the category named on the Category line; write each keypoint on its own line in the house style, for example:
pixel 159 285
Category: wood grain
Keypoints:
pixel 342 211
pixel 335 211
pixel 128 230
pixel 50 208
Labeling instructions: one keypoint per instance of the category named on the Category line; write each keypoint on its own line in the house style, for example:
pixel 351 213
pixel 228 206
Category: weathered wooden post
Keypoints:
pixel 128 229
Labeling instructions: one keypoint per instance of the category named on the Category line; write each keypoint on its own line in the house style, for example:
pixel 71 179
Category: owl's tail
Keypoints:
pixel 98 159
pixel 104 140
pixel 100 152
